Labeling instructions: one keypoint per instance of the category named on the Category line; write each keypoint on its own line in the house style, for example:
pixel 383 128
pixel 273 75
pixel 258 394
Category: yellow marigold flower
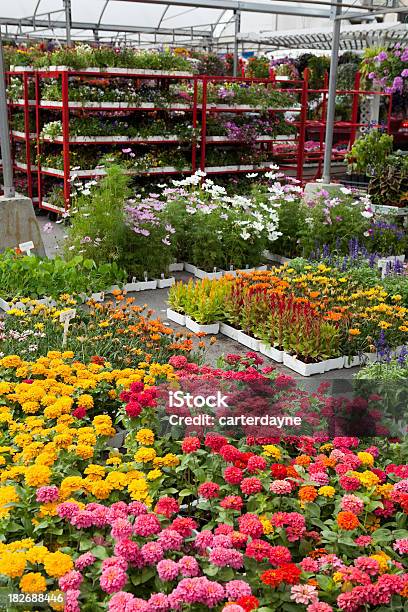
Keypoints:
pixel 95 472
pixel 366 458
pixel 5 387
pixel 48 509
pixel 85 400
pixel 8 495
pixel 12 564
pixel 84 451
pixel 67 355
pixel 101 489
pixel 170 460
pixel 36 554
pixel 11 361
pixel 37 475
pixel 138 489
pixel 327 491
pixel 144 454
pixel 368 479
pixel 270 450
pixel 117 480
pixel 145 436
pixel 57 564
pixel 103 425
pixel 266 524
pixel 153 474
pixel 63 440
pixel 382 558
pixel 385 490
pixel 326 447
pixel 338 577
pixel 33 582
pixel 114 460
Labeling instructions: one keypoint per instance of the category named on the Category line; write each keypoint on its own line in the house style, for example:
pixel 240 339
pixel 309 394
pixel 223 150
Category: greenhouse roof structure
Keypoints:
pixel 353 37
pixel 176 22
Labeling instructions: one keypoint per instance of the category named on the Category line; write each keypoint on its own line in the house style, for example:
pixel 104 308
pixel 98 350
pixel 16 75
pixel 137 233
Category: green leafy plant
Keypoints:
pixel 369 153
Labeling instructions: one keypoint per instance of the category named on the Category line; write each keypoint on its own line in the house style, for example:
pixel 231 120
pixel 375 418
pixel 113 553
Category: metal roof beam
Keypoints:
pixel 104 27
pixel 245 7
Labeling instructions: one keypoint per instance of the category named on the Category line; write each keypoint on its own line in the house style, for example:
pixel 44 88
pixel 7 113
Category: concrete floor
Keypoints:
pixel 53 236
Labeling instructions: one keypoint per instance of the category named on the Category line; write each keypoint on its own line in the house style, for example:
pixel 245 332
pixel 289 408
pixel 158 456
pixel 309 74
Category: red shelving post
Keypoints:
pixel 65 135
pixel 354 109
pixel 194 139
pixel 27 135
pixel 302 125
pixel 203 121
pixel 38 139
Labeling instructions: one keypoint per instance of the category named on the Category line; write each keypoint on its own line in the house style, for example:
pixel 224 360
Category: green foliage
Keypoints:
pixel 369 153
pixel 30 276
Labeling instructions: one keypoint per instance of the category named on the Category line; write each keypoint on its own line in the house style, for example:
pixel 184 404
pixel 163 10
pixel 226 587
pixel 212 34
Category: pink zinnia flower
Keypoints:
pixel 319 606
pixel 152 552
pixel 71 601
pixel 170 539
pixel 146 525
pixel 167 570
pixel 189 567
pixel 236 589
pixel 352 503
pixel 121 529
pixel 281 487
pixel 113 579
pixel 226 557
pixel 84 561
pixel 70 580
pixel 46 495
pixel 250 486
pixel 303 594
pixel 158 602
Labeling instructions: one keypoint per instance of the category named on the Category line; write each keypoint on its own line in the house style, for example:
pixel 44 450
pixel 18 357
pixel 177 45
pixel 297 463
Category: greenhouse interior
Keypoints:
pixel 204 305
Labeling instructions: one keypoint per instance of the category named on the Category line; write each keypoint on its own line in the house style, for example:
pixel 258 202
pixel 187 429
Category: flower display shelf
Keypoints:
pixel 296 162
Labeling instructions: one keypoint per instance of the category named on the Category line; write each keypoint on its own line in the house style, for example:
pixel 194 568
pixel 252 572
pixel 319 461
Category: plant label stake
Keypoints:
pixel 65 318
pixel 145 276
pixel 26 247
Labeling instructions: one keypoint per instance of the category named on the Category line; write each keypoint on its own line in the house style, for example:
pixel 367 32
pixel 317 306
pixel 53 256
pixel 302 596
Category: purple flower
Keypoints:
pixel 381 57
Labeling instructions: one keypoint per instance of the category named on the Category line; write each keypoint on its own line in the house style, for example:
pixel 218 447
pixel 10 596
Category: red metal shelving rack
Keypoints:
pixel 294 160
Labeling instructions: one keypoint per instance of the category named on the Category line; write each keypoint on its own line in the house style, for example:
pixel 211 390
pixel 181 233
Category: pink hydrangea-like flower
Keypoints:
pixel 189 567
pixel 363 540
pixel 352 503
pixel 137 508
pixel 281 487
pixel 117 510
pixel 115 562
pixel 129 550
pixel 67 510
pixel 249 524
pixel 170 539
pixel 319 606
pixel 236 589
pixel 320 478
pixel 303 594
pixel 223 540
pixel 401 546
pixel 146 525
pixel 278 555
pixel 84 561
pixel 367 565
pixel 167 570
pixel 233 475
pixel 209 490
pixel 70 580
pixel 71 601
pixel 256 464
pixel 121 529
pixel 250 486
pixel 167 506
pixel 152 552
pixel 184 525
pixel 204 540
pixel 113 579
pixel 232 502
pixel 226 557
pixel 309 565
pixel 233 608
pixel 46 495
pixel 158 602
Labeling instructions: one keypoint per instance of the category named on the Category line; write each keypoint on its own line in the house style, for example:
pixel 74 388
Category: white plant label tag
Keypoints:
pixel 65 318
pixel 26 247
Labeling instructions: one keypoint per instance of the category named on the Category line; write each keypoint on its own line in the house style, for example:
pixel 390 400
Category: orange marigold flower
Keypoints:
pixel 303 460
pixel 347 521
pixel 307 493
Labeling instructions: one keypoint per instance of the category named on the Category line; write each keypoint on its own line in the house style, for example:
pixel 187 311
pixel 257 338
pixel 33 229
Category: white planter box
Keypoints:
pixel 146 285
pixel 195 327
pixel 284 137
pixel 229 331
pixel 177 317
pixel 352 361
pixel 370 357
pixel 190 268
pixel 162 283
pixel 271 352
pixel 98 297
pixel 274 257
pixel 176 267
pixel 131 287
pixel 304 369
pixel 211 275
pixel 4 305
pixel 336 363
pixel 248 341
